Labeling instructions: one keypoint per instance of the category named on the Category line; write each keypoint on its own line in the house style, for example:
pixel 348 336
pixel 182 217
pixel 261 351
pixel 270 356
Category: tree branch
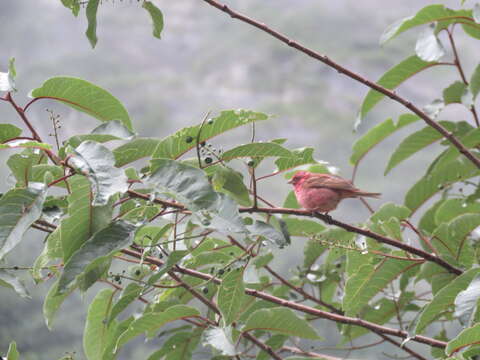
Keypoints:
pixel 342 70
pixel 299 307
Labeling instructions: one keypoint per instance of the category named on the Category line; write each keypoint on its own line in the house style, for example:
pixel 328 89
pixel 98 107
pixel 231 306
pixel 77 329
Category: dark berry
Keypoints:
pixel 210 121
pixel 208 160
pixel 137 272
pixel 221 272
pixel 205 290
pixel 117 278
pixel 251 163
pixel 202 143
pixel 189 139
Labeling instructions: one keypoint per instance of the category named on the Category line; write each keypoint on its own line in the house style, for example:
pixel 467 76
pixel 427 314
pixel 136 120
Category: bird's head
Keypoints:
pixel 299 177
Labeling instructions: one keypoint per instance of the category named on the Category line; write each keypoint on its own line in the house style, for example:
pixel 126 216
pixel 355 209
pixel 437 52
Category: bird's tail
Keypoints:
pixel 367 194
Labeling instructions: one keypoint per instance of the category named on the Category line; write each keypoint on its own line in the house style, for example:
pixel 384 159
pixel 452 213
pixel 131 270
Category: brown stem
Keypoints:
pixel 311 354
pixel 457 63
pixel 262 346
pixel 342 70
pixel 295 306
pixel 403 347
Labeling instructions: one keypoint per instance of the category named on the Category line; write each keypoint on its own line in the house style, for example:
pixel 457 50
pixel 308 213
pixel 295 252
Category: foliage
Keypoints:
pixel 202 238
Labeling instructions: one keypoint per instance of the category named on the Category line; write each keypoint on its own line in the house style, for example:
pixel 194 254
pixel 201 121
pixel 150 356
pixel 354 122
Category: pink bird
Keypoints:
pixel 323 192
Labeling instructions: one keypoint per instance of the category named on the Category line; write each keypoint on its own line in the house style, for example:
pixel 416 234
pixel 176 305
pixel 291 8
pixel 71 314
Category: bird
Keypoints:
pixel 323 192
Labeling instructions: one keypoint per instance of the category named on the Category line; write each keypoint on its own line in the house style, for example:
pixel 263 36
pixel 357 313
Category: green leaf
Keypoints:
pixel 475 82
pixel 21 165
pixel 280 320
pixel 97 163
pixel 302 156
pixel 7 279
pixel 19 209
pixel 134 150
pixel 174 146
pixel 73 5
pixel 156 16
pixel 449 173
pixel 131 292
pixel 451 208
pixel 154 320
pixel 466 338
pixel 377 134
pixel 96 327
pixel 8 131
pixel 84 218
pixel 231 296
pixel 221 339
pixel 369 280
pixel 25 144
pixel 455 93
pixel 261 228
pixel 415 142
pixel 390 80
pixel 52 302
pixel 180 346
pixel 444 299
pixel 466 303
pixel 191 187
pixel 91 13
pixel 107 131
pixel 300 227
pixel 428 14
pixel 257 150
pixel 84 96
pixel 100 246
pixel 427 222
pixel 428 46
pixel 230 182
pixel 13 353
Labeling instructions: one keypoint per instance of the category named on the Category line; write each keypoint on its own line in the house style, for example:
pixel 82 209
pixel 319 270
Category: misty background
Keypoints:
pixel 204 62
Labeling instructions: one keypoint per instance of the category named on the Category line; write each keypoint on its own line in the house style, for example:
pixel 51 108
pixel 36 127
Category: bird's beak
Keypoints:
pixel 290 181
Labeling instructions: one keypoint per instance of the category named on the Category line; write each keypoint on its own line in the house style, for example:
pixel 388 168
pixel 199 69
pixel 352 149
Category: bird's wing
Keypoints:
pixel 331 182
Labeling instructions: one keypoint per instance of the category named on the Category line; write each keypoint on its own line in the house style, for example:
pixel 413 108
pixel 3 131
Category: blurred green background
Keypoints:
pixel 204 62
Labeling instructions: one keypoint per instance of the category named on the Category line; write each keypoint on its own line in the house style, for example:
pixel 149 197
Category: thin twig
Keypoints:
pixel 342 70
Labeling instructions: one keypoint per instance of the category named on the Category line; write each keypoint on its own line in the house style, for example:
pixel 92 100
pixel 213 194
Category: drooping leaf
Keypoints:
pixel 428 14
pixel 377 134
pixel 371 279
pixel 231 296
pixel 261 228
pixel 430 184
pixel 156 16
pixel 8 280
pixel 174 146
pixel 84 96
pixel 129 294
pixel 457 92
pixel 467 337
pixel 390 80
pixel 97 163
pixel 155 320
pixel 84 219
pixel 19 209
pixel 466 302
pixel 134 150
pixel 428 46
pixel 52 302
pixel 280 320
pixel 221 339
pixel 7 80
pixel 191 187
pixel 96 334
pixel 300 227
pixel 451 208
pixel 179 346
pixel 475 82
pixel 8 131
pixel 443 299
pixel 301 156
pixel 73 5
pixel 91 13
pixel 229 181
pixel 25 144
pixel 415 142
pixel 100 246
